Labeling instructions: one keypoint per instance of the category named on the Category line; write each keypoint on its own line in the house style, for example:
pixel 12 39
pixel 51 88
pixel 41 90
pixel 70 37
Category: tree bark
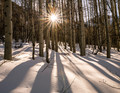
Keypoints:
pixel 73 26
pixel 33 31
pixel 41 42
pixel 107 31
pixel 47 35
pixel 81 29
pixel 8 29
pixel 71 48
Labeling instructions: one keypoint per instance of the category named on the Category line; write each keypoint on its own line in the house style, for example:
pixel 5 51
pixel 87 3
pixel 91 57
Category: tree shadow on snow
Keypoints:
pixel 20 50
pixel 107 63
pixel 42 82
pixel 79 73
pixel 16 76
pixel 96 67
pixel 63 84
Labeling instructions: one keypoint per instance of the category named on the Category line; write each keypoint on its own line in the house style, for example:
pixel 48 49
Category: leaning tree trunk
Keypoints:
pixel 107 31
pixel 82 30
pixel 8 29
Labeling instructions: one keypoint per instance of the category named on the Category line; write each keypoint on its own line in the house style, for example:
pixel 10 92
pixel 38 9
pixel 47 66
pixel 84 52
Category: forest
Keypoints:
pixel 60 46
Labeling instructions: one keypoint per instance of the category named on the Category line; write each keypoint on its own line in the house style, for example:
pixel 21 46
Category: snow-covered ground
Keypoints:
pixel 67 72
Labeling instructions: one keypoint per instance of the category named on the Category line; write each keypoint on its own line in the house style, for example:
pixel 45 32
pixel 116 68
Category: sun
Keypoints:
pixel 53 17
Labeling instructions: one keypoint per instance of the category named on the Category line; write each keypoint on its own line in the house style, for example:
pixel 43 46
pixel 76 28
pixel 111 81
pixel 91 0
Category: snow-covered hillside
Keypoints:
pixel 67 72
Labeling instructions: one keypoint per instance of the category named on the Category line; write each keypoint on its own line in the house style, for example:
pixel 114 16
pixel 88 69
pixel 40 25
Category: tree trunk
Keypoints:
pixel 107 31
pixel 53 42
pixel 113 18
pixel 47 35
pixel 119 23
pixel 72 26
pixel 2 18
pixel 63 24
pixel 119 11
pixel 71 48
pixel 41 42
pixel 56 40
pixel 33 31
pixel 116 25
pixel 33 39
pixel 100 27
pixel 53 30
pixel 97 25
pixel 81 28
pixel 8 29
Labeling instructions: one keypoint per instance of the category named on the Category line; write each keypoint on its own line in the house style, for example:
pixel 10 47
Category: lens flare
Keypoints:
pixel 53 17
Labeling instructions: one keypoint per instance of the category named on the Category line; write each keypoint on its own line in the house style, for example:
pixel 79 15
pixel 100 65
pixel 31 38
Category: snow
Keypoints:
pixel 67 72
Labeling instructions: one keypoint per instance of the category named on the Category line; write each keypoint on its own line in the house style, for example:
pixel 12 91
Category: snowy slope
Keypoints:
pixel 67 72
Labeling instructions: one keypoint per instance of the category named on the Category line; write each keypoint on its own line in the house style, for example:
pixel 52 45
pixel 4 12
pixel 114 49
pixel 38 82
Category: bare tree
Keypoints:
pixel 107 31
pixel 32 28
pixel 47 35
pixel 8 29
pixel 41 42
pixel 81 29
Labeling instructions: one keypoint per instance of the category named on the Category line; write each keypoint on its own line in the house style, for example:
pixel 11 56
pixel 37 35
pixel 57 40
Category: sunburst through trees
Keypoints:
pixel 51 19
